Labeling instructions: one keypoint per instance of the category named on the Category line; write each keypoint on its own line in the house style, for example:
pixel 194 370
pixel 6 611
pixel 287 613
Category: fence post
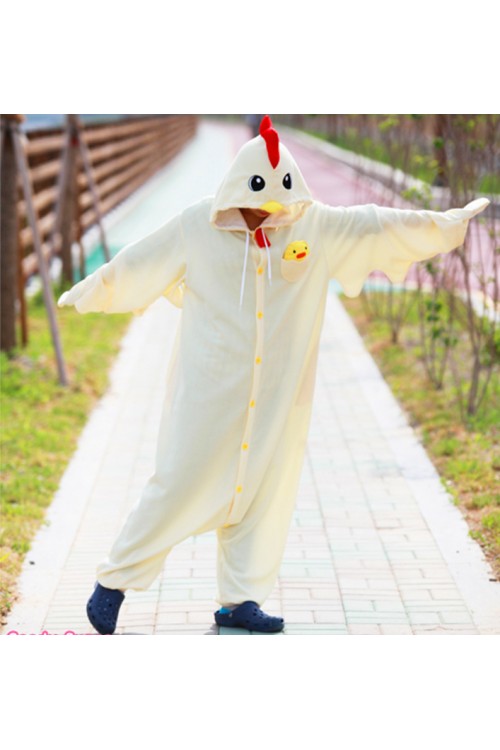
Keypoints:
pixel 8 235
pixel 68 196
pixel 87 166
pixel 19 142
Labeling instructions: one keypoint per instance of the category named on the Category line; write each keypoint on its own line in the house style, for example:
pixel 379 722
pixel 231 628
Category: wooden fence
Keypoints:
pixel 123 155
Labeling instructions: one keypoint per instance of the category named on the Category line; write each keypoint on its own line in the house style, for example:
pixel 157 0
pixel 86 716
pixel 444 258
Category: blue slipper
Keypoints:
pixel 249 616
pixel 103 607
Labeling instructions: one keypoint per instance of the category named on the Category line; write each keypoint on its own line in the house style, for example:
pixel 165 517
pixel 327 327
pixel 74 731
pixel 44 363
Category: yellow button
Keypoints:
pixel 245 446
pixel 258 360
pixel 239 489
pixel 260 314
pixel 260 271
pixel 252 404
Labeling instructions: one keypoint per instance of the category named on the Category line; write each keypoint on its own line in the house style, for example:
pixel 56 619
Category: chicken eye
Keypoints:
pixel 287 181
pixel 256 183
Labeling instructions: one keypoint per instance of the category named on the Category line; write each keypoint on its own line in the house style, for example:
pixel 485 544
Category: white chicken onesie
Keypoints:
pixel 237 409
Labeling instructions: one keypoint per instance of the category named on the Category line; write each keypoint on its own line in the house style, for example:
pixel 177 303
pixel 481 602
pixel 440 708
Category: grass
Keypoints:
pixel 424 169
pixel 42 420
pixel 410 160
pixel 466 457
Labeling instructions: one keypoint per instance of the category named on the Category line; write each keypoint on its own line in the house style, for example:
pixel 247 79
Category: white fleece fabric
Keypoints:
pixel 239 394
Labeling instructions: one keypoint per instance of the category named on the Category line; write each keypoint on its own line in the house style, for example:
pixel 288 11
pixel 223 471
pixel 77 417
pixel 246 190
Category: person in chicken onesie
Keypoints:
pixel 250 268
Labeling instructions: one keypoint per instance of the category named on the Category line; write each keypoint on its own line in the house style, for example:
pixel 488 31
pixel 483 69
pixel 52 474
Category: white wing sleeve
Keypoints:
pixel 362 239
pixel 140 273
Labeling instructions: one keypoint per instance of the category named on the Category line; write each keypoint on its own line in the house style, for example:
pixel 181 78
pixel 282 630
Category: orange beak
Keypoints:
pixel 271 207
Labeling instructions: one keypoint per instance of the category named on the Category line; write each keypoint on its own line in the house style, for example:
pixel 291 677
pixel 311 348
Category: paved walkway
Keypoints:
pixel 376 546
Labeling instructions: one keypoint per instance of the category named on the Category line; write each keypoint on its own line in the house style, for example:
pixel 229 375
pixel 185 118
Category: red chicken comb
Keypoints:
pixel 272 140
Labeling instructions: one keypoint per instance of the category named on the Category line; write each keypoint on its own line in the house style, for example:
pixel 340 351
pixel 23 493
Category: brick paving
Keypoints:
pixel 376 547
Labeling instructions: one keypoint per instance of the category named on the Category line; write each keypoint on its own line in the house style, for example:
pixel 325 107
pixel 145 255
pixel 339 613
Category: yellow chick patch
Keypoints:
pixel 298 251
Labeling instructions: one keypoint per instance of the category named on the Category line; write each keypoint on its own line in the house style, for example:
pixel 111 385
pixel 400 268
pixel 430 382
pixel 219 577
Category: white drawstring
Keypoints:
pixel 247 244
pixel 269 273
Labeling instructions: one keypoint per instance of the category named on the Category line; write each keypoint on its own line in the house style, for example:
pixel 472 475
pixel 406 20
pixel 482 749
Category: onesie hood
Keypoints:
pixel 263 175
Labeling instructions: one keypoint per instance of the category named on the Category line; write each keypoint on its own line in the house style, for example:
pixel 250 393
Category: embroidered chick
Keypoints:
pixel 296 251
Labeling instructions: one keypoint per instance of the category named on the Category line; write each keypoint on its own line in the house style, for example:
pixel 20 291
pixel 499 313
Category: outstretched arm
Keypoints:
pixel 140 273
pixel 362 239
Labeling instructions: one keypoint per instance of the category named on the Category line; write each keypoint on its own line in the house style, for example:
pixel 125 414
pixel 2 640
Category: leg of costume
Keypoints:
pixel 187 495
pixel 250 552
pixel 157 523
